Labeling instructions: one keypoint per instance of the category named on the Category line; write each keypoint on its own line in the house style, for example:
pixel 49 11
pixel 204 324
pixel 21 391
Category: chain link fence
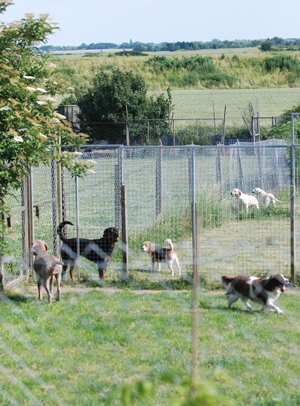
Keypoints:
pixel 162 184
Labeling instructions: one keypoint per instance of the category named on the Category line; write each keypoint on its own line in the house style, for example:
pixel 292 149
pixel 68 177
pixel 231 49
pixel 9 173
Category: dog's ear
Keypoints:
pixel 240 192
pixel 152 247
pixel 46 246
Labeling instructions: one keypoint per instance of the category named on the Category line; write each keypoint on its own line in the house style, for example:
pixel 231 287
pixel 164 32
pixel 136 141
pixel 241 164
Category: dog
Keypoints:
pixel 245 200
pixel 260 290
pixel 267 198
pixel 46 267
pixel 98 250
pixel 159 254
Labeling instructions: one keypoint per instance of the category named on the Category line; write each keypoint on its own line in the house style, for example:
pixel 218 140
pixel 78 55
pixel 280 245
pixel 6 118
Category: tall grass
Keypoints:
pixel 188 72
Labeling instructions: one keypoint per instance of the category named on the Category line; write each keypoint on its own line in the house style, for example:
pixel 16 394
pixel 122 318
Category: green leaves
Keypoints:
pixel 30 131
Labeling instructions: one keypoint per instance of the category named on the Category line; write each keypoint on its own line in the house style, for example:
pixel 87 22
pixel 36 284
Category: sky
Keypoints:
pixel 118 21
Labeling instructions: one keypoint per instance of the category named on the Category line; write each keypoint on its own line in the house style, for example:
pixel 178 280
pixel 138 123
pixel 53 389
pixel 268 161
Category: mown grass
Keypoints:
pixel 86 348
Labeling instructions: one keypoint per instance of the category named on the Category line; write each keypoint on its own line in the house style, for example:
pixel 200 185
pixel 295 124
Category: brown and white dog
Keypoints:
pixel 46 267
pixel 245 200
pixel 263 291
pixel 267 198
pixel 159 254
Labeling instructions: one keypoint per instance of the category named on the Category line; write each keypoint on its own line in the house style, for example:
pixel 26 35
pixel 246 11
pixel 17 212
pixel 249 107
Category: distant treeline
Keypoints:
pixel 176 46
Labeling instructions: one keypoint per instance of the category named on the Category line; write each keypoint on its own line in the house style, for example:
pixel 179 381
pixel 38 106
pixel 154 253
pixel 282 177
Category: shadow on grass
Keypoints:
pixel 16 297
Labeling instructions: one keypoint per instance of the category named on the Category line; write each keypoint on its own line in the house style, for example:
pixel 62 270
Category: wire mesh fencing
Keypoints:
pixel 162 184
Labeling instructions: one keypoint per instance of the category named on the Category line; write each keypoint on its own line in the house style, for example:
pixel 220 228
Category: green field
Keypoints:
pixel 123 348
pixel 199 103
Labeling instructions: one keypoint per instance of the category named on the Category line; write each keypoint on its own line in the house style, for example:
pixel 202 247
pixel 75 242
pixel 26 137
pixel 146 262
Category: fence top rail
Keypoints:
pixel 246 145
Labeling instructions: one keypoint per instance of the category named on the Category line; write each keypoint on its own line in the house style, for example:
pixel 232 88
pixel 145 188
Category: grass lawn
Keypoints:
pixel 86 348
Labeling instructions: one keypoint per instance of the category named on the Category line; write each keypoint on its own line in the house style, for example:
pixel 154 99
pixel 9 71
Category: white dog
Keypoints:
pixel 245 200
pixel 267 198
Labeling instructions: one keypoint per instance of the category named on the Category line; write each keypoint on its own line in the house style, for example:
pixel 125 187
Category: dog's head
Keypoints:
pixel 148 247
pixel 38 246
pixel 279 281
pixel 256 191
pixel 236 193
pixel 111 235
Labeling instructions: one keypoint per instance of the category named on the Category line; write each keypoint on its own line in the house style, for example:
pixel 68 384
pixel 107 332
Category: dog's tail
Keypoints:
pixel 278 200
pixel 60 227
pixel 226 280
pixel 168 241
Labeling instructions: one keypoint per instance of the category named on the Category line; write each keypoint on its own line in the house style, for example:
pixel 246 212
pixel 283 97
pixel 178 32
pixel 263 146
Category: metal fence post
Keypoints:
pixel 30 225
pixel 77 227
pixel 195 302
pixel 2 269
pixel 292 192
pixel 219 173
pixel 54 207
pixel 124 234
pixel 158 183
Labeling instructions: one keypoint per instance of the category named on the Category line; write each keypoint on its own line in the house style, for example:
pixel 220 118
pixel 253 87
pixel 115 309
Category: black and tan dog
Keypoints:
pixel 98 251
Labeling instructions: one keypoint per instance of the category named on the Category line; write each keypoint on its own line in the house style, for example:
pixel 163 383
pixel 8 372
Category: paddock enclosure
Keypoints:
pixel 164 187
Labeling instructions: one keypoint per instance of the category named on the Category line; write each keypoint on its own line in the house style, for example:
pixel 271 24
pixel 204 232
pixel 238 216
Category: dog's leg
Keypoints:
pixel 102 273
pixel 246 304
pixel 152 265
pixel 177 265
pixel 46 286
pixel 231 298
pixel 101 269
pixel 39 284
pixel 170 266
pixel 51 286
pixel 270 307
pixel 72 267
pixel 58 278
pixel 158 267
pixel 64 269
pixel 267 201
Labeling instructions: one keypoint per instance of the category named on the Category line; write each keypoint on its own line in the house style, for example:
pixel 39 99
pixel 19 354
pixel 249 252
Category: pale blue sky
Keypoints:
pixel 156 21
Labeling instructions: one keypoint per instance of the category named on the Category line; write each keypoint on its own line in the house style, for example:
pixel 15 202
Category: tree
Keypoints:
pixel 112 99
pixel 31 131
pixel 266 46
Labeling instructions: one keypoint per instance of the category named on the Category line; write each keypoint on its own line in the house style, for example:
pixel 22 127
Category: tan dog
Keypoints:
pixel 159 254
pixel 46 267
pixel 267 198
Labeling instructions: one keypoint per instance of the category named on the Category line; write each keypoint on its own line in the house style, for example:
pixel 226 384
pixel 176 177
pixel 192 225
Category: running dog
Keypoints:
pixel 260 290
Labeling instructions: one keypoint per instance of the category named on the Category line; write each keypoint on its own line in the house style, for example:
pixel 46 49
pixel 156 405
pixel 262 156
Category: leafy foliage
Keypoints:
pixel 196 69
pixel 116 98
pixel 266 46
pixel 30 130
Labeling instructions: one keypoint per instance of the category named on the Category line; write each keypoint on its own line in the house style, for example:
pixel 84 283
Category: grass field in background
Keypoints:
pixel 88 348
pixel 199 103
